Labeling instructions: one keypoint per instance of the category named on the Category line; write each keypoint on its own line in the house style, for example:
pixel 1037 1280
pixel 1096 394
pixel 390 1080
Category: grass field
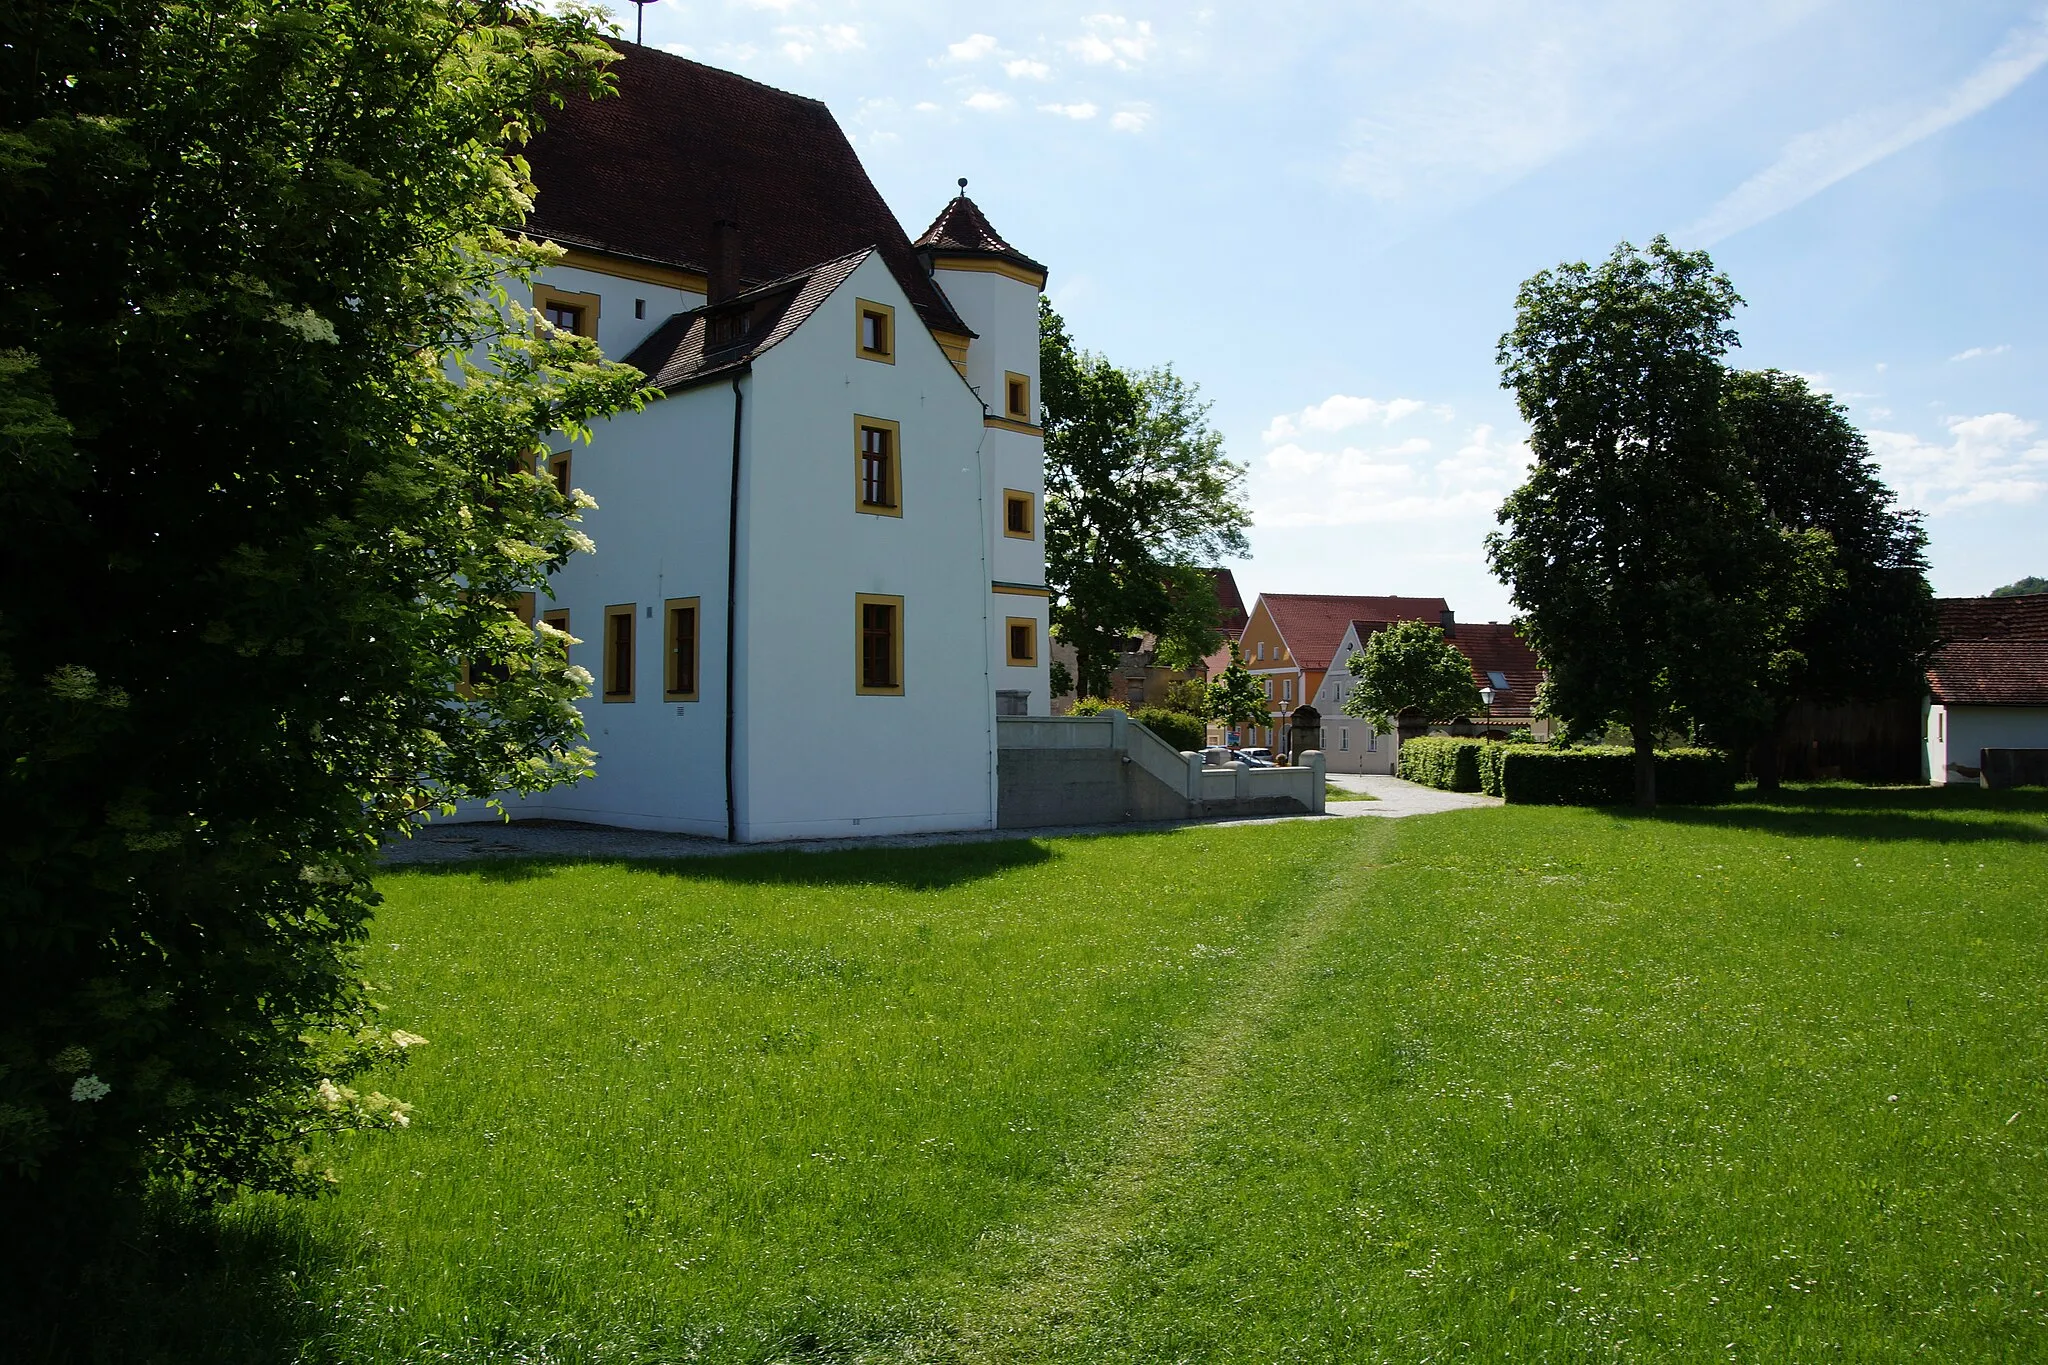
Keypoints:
pixel 1759 1082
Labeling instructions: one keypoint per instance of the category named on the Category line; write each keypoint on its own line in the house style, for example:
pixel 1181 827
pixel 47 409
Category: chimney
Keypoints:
pixel 725 260
pixel 1450 623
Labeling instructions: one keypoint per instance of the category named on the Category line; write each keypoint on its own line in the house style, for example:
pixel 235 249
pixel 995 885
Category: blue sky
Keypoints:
pixel 1320 214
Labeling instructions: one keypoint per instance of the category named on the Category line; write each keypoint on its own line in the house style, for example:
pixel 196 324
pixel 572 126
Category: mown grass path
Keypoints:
pixel 1063 1264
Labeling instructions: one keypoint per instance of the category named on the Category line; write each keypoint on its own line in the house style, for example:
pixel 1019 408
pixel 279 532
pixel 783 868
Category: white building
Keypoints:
pixel 1988 690
pixel 819 570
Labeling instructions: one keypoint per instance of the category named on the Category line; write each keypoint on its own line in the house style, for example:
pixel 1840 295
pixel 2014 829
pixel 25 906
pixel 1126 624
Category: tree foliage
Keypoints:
pixel 1853 615
pixel 264 404
pixel 1635 549
pixel 1410 669
pixel 2026 587
pixel 1236 697
pixel 1139 497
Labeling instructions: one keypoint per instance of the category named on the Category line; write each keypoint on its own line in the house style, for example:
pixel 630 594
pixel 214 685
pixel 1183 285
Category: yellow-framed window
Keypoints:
pixel 878 663
pixel 619 619
pixel 567 310
pixel 877 466
pixel 1016 396
pixel 682 633
pixel 558 470
pixel 874 336
pixel 1020 636
pixel 1020 514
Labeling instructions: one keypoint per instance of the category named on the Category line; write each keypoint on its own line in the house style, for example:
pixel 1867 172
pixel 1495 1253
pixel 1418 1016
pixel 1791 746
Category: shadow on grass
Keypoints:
pixel 1876 814
pixel 933 867
pixel 173 1285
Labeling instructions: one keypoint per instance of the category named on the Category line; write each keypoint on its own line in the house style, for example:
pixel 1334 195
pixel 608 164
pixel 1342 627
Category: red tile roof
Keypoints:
pixel 1313 624
pixel 1993 618
pixel 1994 652
pixel 1231 615
pixel 645 173
pixel 962 229
pixel 1497 649
pixel 1991 673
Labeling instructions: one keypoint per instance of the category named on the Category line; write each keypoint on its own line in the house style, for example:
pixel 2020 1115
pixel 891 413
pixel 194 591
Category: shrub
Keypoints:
pixel 1451 765
pixel 1092 706
pixel 1605 775
pixel 1183 731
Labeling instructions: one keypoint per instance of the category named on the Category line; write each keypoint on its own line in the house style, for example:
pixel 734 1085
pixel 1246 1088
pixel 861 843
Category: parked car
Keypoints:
pixel 1254 758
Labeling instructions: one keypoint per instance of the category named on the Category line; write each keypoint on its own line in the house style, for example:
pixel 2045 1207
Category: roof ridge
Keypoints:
pixel 664 54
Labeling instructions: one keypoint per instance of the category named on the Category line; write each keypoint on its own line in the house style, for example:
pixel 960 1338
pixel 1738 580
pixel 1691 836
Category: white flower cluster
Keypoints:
pixel 89 1088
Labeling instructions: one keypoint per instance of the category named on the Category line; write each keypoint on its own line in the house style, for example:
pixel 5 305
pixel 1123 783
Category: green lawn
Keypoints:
pixel 1762 1082
pixel 1333 792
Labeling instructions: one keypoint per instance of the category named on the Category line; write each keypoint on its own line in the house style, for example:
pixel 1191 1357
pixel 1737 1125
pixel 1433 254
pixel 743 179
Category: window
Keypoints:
pixel 618 652
pixel 877 467
pixel 1287 690
pixel 1262 650
pixel 486 669
pixel 1343 737
pixel 1499 680
pixel 679 650
pixel 570 312
pixel 1016 396
pixel 558 470
pixel 639 308
pixel 1017 514
pixel 559 619
pixel 876 337
pixel 1023 635
pixel 880 620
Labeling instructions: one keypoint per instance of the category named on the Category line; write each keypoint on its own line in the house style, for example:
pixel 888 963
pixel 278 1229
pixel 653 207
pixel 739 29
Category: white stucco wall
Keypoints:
pixel 822 760
pixel 1958 735
pixel 618 331
pixel 1004 315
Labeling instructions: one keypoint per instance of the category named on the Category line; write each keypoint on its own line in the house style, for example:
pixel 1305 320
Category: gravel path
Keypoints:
pixel 453 843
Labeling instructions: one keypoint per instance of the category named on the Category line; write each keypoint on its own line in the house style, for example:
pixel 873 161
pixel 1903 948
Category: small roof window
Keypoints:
pixel 1498 679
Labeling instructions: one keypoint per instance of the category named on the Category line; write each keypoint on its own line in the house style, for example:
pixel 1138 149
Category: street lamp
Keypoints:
pixel 1486 698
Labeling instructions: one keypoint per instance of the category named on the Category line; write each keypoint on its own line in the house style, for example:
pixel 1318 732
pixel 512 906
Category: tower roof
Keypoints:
pixel 962 229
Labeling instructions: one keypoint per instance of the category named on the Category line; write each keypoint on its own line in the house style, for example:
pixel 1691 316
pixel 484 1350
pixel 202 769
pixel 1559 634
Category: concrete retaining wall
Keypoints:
pixel 1108 770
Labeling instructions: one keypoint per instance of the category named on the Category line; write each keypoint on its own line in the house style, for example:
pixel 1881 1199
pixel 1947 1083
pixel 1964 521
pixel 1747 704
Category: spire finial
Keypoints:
pixel 963 187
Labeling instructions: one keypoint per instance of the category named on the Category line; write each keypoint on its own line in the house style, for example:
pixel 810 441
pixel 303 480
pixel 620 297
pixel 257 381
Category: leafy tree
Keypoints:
pixel 265 422
pixel 1236 697
pixel 1138 497
pixel 1410 669
pixel 1636 547
pixel 1190 697
pixel 1852 613
pixel 2026 587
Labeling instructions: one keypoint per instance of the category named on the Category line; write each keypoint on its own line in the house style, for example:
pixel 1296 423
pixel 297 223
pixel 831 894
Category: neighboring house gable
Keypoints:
pixel 1988 686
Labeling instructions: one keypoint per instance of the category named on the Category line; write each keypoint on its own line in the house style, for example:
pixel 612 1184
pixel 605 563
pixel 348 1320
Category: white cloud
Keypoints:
pixel 1081 110
pixel 1995 458
pixel 1027 69
pixel 988 101
pixel 1341 412
pixel 680 49
pixel 925 107
pixel 1979 352
pixel 801 41
pixel 1813 161
pixel 1304 482
pixel 1132 119
pixel 972 48
pixel 1112 39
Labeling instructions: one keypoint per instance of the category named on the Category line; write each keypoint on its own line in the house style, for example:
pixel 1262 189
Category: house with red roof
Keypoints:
pixel 1504 669
pixel 820 543
pixel 1290 639
pixel 1986 717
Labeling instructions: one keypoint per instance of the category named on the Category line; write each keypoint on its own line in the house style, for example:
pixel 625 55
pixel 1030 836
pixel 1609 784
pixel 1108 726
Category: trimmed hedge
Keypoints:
pixel 1439 761
pixel 1184 732
pixel 1603 775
